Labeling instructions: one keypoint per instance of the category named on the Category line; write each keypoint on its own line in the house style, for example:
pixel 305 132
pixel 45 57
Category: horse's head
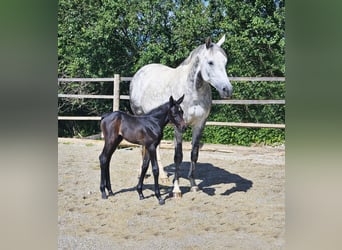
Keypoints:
pixel 176 113
pixel 213 67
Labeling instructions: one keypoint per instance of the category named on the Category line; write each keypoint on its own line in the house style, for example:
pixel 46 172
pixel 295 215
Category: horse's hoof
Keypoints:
pixel 161 201
pixel 110 193
pixel 141 197
pixel 177 195
pixel 194 189
pixel 104 196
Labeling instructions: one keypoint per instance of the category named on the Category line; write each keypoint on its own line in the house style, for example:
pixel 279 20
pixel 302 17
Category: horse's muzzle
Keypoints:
pixel 226 93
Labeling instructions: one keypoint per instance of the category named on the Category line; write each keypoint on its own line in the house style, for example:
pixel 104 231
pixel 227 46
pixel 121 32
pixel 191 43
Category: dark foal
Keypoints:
pixel 145 130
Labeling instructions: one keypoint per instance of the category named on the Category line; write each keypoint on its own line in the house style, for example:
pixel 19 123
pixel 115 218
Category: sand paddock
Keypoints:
pixel 240 205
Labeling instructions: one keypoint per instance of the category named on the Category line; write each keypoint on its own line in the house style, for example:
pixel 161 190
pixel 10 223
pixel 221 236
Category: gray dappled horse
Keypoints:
pixel 154 83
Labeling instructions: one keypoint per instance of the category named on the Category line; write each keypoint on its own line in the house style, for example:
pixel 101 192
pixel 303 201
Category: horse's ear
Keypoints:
pixel 219 43
pixel 208 42
pixel 180 100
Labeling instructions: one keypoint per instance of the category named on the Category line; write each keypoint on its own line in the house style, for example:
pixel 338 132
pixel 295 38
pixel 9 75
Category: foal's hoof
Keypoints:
pixel 194 189
pixel 161 201
pixel 177 195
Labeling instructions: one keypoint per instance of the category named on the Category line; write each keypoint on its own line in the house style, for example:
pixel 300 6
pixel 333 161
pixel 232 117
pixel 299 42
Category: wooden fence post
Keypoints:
pixel 116 92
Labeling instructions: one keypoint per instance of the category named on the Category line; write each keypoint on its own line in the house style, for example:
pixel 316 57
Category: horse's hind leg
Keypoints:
pixel 143 152
pixel 105 158
pixel 162 174
pixel 155 170
pixel 108 184
pixel 144 167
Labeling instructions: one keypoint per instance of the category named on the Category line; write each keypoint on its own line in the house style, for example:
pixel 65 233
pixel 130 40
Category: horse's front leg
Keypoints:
pixel 196 137
pixel 144 167
pixel 155 170
pixel 178 157
pixel 162 174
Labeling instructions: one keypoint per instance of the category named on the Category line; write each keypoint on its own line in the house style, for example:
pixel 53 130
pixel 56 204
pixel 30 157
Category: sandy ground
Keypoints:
pixel 240 205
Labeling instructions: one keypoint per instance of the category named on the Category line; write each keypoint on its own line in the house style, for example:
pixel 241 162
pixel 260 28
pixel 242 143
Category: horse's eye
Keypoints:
pixel 211 63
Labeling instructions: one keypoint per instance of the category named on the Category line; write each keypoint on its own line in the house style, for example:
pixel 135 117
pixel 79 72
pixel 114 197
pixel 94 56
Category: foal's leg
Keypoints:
pixel 105 158
pixel 142 150
pixel 196 136
pixel 144 167
pixel 162 174
pixel 155 170
pixel 178 157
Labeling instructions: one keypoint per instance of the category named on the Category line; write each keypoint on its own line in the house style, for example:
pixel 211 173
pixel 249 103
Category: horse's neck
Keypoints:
pixel 198 99
pixel 190 74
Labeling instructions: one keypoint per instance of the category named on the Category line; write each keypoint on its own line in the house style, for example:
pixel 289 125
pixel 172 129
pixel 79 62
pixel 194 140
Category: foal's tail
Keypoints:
pixel 103 122
pixel 105 115
pixel 109 123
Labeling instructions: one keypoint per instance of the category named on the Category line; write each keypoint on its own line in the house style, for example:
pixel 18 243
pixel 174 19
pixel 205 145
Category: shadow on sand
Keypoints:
pixel 209 176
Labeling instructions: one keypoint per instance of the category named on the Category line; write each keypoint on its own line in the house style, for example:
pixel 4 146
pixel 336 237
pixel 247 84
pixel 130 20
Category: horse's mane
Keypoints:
pixel 196 51
pixel 192 55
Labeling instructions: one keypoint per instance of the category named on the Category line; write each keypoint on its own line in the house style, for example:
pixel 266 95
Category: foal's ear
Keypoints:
pixel 180 100
pixel 208 42
pixel 171 101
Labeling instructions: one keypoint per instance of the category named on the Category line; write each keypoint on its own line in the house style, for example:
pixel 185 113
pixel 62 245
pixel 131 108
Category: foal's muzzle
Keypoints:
pixel 182 127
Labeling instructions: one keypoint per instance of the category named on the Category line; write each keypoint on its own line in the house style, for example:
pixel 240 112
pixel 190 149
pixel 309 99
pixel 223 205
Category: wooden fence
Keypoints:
pixel 116 97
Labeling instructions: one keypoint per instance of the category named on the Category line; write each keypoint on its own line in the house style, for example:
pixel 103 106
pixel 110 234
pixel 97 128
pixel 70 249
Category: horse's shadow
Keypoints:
pixel 211 176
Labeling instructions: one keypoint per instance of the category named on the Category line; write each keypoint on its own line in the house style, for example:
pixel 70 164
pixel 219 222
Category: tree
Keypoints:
pixel 100 38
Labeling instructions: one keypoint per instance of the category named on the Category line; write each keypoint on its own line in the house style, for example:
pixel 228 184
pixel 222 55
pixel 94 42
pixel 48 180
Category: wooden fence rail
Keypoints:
pixel 116 99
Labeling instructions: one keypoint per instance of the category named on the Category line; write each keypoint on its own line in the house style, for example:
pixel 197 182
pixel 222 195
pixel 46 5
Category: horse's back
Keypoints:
pixel 151 86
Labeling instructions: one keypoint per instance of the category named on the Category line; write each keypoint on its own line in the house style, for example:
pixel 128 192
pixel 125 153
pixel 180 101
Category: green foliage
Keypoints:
pixel 103 38
pixel 242 136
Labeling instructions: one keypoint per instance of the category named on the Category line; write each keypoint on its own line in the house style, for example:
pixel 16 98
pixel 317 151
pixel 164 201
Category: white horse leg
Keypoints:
pixel 162 174
pixel 178 160
pixel 196 136
pixel 176 192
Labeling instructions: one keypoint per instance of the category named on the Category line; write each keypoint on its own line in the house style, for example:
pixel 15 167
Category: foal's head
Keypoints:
pixel 176 113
